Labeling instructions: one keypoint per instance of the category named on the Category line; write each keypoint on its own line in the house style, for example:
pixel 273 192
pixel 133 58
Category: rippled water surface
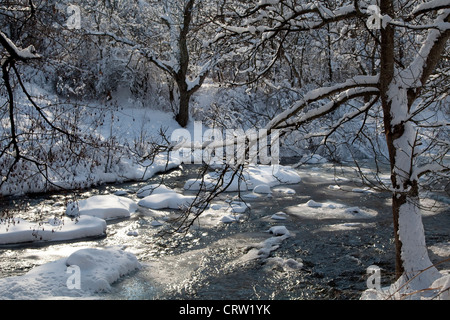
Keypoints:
pixel 211 261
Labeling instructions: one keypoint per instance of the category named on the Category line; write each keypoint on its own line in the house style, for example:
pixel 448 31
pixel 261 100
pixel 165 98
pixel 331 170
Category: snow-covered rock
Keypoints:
pixel 82 274
pixel 313 204
pixel 262 188
pixel 17 230
pixel 230 218
pixel 153 189
pixel 103 206
pixel 239 207
pixel 279 231
pixel 279 216
pixel 262 250
pixel 169 200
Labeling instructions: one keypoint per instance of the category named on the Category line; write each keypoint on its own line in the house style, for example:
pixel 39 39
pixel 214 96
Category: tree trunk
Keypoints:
pixel 418 270
pixel 183 112
pixel 181 76
pixel 411 251
pixel 412 260
pixel 386 78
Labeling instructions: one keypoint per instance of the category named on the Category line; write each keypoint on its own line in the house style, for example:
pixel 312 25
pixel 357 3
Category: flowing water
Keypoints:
pixel 324 258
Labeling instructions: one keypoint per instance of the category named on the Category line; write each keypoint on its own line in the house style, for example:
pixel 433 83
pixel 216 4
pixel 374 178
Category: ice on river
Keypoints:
pixel 329 210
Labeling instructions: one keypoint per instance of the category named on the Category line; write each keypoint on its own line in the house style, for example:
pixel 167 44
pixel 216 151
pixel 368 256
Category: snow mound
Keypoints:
pixel 100 268
pixel 224 212
pixel 150 168
pixel 279 231
pixel 438 290
pixel 251 177
pixel 279 216
pixel 82 274
pixel 313 204
pixel 230 218
pixel 14 230
pixel 263 250
pixel 441 249
pixel 287 264
pixel 329 210
pixel 153 189
pixel 168 200
pixel 362 190
pixel 262 188
pixel 239 207
pixel 284 190
pixel 106 207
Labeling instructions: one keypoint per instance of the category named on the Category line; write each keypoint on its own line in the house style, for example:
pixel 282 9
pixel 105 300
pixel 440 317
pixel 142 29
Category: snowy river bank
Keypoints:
pixel 310 240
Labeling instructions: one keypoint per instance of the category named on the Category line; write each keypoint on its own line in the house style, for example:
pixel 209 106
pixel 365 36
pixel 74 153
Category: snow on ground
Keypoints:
pixel 103 206
pixel 329 210
pixel 148 169
pixel 15 230
pixel 439 290
pixel 81 274
pixel 263 176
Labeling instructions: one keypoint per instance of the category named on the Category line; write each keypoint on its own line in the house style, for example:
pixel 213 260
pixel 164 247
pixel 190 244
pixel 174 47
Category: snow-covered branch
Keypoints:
pixel 433 5
pixel 17 53
pixel 167 66
pixel 329 107
pixel 418 72
pixel 344 119
pixel 432 167
pixel 355 87
pixel 303 17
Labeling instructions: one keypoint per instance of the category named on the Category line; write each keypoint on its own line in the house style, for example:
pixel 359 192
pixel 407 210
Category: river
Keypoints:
pixel 323 258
